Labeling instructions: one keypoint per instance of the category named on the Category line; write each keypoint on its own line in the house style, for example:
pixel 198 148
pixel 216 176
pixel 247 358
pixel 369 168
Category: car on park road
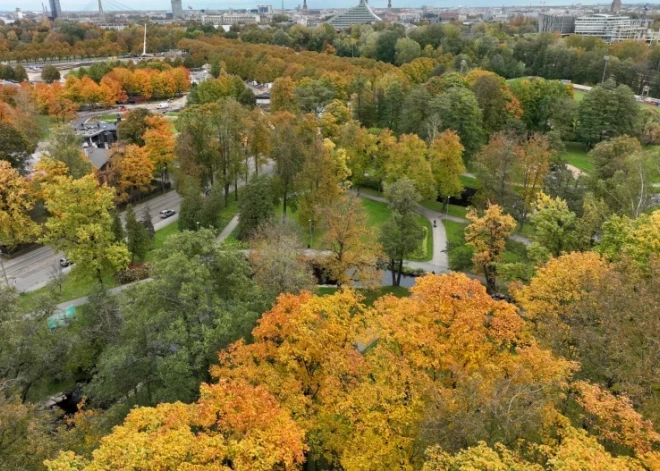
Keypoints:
pixel 64 262
pixel 163 106
pixel 165 213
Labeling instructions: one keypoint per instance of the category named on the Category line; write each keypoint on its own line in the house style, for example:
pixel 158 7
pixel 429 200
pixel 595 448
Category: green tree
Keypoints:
pixel 132 127
pixel 406 50
pixel 80 225
pixel 146 221
pixel 201 299
pixel 489 91
pixel 191 207
pixel 118 234
pixel 555 228
pixel 215 67
pixel 446 158
pixel 402 234
pixel 607 111
pixel 20 74
pixel 50 74
pixel 137 237
pixel 256 206
pixel 289 145
pixel 538 99
pixel 15 147
pixel 458 110
pixel 313 95
pixel 65 146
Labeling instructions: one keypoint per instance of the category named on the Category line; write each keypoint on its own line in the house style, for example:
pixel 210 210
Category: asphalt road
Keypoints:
pixel 33 270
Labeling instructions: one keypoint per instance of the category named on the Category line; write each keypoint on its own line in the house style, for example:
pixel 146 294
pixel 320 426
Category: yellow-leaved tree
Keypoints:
pixel 488 234
pixel 233 425
pixel 80 225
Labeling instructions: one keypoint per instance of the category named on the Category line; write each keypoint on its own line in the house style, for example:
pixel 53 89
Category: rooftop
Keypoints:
pixel 353 16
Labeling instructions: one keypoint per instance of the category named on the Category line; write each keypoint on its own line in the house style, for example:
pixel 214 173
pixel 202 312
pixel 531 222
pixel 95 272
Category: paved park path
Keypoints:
pixel 229 228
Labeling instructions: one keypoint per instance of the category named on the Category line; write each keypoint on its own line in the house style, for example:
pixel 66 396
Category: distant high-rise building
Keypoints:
pixel 616 7
pixel 55 9
pixel 389 4
pixel 353 16
pixel 177 9
pixel 611 28
pixel 564 24
pixel 304 8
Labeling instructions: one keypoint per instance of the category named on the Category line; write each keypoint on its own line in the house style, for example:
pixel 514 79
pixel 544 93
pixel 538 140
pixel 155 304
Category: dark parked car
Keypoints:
pixel 165 213
pixel 64 262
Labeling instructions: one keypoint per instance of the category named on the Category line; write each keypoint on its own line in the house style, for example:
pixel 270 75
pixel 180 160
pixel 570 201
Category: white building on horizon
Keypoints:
pixel 613 28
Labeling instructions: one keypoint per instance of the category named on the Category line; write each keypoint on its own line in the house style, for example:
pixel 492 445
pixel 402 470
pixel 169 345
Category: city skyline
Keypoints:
pixel 90 5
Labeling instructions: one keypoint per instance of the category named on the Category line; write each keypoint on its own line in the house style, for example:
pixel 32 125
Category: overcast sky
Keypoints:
pixel 35 5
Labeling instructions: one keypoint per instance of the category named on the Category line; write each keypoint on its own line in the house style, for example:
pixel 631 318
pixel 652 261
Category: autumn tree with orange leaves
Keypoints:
pixel 234 425
pixel 132 170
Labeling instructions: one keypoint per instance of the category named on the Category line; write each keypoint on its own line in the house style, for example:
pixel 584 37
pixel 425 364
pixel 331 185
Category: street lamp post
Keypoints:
pixel 197 225
pixel 309 246
pixel 607 59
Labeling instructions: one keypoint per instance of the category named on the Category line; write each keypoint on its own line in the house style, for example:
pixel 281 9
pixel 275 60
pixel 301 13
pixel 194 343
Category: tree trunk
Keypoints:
pixel 393 270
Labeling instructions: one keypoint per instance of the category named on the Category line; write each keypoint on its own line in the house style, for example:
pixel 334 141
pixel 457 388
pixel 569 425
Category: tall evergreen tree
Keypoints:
pixel 256 205
pixel 117 228
pixel 137 238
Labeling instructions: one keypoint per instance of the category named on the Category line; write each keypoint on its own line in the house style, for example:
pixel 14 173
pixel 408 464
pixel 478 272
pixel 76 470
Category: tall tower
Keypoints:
pixel 177 9
pixel 304 8
pixel 616 7
pixel 55 9
pixel 389 4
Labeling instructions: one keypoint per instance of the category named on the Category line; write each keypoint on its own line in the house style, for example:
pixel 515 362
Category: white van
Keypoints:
pixel 163 106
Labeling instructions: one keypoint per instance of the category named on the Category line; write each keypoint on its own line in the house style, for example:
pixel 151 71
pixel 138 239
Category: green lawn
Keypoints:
pixel 108 117
pixel 452 209
pixel 377 212
pixel 577 156
pixel 425 252
pixel 469 182
pixel 578 95
pixel 73 287
pixel 370 296
pixel 159 239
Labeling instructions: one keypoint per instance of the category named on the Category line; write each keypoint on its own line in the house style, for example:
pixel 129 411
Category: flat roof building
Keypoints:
pixel 233 19
pixel 610 28
pixel 564 24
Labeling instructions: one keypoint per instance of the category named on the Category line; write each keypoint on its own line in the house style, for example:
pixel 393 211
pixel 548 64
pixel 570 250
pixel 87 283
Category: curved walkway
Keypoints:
pixel 439 262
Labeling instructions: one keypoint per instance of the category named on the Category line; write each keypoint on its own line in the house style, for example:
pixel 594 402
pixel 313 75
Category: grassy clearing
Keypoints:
pixel 73 287
pixel 425 252
pixel 577 156
pixel 370 296
pixel 452 209
pixel 460 255
pixel 378 213
pixel 469 182
pixel 578 95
